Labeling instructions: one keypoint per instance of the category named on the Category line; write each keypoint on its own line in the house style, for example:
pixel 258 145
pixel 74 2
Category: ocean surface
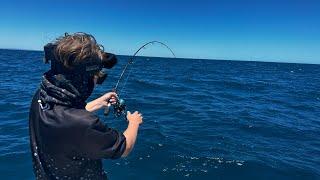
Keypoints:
pixel 203 119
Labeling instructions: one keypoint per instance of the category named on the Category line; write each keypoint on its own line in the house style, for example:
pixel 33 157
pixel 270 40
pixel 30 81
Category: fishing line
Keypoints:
pixel 120 106
pixel 135 54
pixel 131 61
pixel 125 82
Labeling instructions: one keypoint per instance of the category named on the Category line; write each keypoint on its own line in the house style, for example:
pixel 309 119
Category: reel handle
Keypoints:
pixel 107 110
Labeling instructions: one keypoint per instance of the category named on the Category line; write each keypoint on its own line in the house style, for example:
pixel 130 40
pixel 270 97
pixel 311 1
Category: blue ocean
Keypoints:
pixel 203 119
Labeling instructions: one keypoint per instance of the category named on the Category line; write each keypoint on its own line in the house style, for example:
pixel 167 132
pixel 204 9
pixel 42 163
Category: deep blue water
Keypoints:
pixel 202 119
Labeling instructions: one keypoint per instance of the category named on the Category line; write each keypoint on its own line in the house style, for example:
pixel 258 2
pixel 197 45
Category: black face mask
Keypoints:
pixel 84 84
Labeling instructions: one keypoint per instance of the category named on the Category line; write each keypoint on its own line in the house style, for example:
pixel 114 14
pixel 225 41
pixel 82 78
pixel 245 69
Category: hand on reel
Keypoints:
pixel 119 108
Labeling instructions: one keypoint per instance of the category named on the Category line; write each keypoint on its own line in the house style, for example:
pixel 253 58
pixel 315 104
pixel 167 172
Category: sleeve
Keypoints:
pixel 99 141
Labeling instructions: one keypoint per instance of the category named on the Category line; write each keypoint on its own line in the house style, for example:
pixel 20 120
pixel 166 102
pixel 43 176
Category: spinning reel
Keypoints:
pixel 119 108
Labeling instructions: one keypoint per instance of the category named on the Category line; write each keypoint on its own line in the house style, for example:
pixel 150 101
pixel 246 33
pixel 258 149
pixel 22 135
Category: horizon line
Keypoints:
pixel 240 60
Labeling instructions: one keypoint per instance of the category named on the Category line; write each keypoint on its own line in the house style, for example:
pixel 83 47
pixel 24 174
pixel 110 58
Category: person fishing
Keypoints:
pixel 67 140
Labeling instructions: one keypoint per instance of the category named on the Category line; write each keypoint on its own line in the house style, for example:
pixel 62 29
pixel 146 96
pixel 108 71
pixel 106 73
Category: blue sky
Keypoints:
pixel 261 30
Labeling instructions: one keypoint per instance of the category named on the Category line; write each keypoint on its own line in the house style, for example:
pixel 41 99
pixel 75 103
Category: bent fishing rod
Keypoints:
pixel 119 107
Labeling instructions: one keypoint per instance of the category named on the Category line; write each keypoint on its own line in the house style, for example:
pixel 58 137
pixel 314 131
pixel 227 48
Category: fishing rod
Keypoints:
pixel 119 107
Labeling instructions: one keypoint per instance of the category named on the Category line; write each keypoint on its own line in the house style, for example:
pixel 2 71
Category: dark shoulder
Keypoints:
pixel 78 117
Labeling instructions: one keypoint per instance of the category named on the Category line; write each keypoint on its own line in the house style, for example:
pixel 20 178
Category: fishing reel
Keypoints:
pixel 119 108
